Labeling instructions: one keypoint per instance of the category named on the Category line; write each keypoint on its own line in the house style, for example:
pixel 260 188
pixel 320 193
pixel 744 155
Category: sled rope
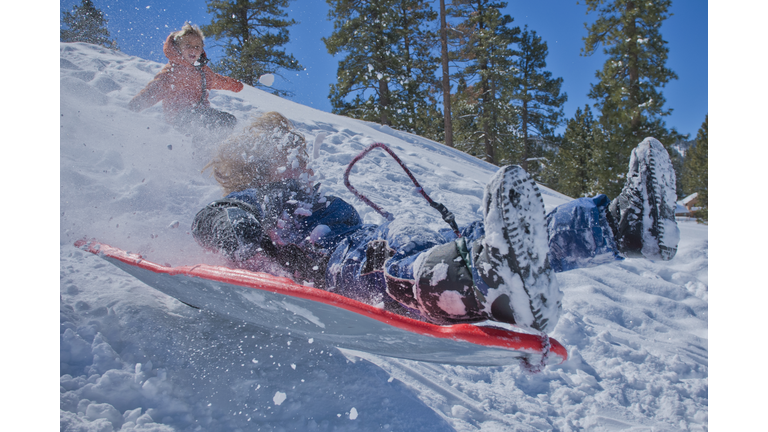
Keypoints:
pixel 448 217
pixel 546 348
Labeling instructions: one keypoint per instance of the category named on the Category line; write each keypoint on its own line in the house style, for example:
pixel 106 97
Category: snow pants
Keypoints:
pixel 580 235
pixel 345 273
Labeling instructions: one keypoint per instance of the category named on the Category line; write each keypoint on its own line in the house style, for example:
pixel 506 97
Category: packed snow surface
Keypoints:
pixel 134 359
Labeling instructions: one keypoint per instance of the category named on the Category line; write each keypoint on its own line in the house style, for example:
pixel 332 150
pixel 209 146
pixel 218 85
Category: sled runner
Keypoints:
pixel 279 304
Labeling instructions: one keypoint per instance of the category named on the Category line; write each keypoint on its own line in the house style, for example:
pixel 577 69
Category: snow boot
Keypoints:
pixel 510 262
pixel 444 290
pixel 643 215
pixel 504 275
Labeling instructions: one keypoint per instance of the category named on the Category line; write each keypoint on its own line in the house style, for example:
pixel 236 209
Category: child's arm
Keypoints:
pixel 153 93
pixel 221 82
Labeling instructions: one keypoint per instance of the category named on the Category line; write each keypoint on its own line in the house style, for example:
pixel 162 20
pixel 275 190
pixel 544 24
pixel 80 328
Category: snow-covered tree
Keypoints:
pixel 85 23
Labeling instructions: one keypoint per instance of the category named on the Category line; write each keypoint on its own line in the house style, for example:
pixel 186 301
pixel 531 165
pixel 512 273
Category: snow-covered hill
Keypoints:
pixel 134 359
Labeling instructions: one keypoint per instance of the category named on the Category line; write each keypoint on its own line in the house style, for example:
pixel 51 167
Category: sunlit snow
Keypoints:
pixel 132 358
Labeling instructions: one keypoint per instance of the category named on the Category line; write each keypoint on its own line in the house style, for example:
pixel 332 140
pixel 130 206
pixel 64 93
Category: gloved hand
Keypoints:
pixel 228 229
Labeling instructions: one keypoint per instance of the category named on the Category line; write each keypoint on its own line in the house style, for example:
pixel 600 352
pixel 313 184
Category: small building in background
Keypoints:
pixel 686 206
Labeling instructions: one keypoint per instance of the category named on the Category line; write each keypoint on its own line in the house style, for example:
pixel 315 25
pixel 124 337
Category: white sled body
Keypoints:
pixel 281 305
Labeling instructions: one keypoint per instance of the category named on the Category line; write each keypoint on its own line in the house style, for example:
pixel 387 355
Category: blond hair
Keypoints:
pixel 269 150
pixel 188 29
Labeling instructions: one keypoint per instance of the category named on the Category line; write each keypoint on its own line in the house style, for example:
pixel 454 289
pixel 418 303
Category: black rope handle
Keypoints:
pixel 448 217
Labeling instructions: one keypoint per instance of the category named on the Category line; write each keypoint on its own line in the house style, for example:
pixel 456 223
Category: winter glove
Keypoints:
pixel 226 227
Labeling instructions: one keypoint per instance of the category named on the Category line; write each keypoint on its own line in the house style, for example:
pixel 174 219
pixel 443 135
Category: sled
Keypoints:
pixel 281 305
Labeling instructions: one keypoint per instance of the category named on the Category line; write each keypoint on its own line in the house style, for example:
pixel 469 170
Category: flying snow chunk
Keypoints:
pixel 318 142
pixel 279 398
pixel 267 79
pixel 459 411
pixel 352 413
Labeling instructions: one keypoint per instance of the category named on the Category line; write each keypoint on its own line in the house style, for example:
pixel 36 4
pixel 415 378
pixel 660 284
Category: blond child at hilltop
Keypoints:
pixel 184 82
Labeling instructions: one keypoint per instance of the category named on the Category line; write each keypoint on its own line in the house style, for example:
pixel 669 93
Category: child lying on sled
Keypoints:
pixel 501 268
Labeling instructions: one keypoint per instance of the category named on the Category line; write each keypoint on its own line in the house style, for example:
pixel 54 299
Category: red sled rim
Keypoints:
pixel 479 335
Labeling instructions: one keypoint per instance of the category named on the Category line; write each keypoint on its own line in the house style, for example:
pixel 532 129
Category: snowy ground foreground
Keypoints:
pixel 134 359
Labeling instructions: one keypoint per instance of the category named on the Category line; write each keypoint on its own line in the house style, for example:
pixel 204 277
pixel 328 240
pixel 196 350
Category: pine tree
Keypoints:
pixel 579 157
pixel 677 157
pixel 388 69
pixel 86 24
pixel 468 135
pixel 254 33
pixel 364 31
pixel 535 95
pixel 417 99
pixel 446 76
pixel 484 116
pixel 627 94
pixel 696 177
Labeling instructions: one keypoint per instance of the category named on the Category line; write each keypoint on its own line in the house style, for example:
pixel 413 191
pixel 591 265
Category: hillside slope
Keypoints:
pixel 135 359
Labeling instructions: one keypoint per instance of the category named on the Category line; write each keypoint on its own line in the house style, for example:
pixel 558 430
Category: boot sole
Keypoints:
pixel 660 189
pixel 513 204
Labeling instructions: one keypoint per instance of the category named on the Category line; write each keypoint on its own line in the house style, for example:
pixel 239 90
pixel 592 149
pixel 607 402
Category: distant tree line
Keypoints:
pixel 498 101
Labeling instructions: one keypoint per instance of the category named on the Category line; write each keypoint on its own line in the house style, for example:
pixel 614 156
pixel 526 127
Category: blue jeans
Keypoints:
pixel 579 236
pixel 345 275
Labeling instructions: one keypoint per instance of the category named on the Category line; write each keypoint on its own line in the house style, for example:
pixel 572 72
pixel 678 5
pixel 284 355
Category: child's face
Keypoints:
pixel 190 47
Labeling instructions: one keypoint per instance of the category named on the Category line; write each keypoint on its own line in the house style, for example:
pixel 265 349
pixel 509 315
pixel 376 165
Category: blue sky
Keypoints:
pixel 141 26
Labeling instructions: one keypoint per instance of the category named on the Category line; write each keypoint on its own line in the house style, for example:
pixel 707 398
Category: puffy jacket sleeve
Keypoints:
pixel 221 82
pixel 153 93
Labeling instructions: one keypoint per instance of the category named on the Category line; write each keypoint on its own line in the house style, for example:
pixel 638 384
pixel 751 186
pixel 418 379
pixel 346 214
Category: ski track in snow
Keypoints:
pixel 134 359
